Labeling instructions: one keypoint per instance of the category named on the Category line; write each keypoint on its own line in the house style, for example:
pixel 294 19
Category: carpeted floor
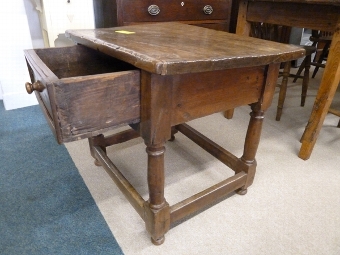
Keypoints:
pixel 45 207
pixel 293 207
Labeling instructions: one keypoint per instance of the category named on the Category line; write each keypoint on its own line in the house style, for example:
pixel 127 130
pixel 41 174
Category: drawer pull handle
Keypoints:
pixel 208 9
pixel 153 9
pixel 38 86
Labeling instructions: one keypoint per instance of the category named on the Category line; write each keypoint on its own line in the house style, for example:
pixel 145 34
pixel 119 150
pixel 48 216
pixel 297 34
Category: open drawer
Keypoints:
pixel 83 92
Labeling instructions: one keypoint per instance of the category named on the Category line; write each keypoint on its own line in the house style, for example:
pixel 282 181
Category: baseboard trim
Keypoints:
pixel 18 100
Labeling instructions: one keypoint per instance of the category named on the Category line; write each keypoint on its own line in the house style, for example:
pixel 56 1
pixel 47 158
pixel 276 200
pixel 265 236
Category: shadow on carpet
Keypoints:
pixel 45 207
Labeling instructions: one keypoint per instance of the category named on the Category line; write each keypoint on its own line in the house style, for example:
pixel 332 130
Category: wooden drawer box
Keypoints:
pixel 83 92
pixel 207 13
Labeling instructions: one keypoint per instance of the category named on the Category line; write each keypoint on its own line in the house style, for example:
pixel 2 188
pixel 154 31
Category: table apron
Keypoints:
pixel 201 94
pixel 312 16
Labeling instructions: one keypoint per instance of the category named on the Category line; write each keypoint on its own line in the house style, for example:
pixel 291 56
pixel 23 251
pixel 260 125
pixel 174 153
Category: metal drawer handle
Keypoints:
pixel 208 9
pixel 38 86
pixel 153 9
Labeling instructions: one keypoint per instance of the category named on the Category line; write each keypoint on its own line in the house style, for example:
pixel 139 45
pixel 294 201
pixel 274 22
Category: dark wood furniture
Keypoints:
pixel 305 80
pixel 213 14
pixel 182 72
pixel 321 15
pixel 323 41
pixel 233 15
pixel 278 33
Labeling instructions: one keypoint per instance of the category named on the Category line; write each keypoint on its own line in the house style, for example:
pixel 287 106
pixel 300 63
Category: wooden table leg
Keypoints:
pixel 252 139
pixel 155 129
pixel 329 83
pixel 98 140
pixel 251 144
pixel 157 210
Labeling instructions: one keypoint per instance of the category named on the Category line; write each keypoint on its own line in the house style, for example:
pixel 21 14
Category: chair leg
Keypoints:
pixel 302 66
pixel 335 112
pixel 305 81
pixel 321 58
pixel 229 114
pixel 283 90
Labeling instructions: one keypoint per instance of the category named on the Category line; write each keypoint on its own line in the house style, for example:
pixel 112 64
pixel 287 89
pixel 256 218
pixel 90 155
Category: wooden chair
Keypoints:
pixel 323 42
pixel 281 34
pixel 305 65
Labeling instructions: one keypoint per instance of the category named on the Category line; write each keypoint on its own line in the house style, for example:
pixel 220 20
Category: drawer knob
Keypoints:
pixel 208 9
pixel 38 86
pixel 153 9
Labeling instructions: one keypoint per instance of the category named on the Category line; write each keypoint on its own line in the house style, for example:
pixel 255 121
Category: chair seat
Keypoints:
pixel 309 49
pixel 321 39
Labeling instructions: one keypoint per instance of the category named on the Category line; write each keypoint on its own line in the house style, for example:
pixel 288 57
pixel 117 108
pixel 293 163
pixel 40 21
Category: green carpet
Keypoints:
pixel 45 207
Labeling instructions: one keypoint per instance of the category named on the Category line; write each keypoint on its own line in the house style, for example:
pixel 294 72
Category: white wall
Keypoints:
pixel 14 39
pixel 32 11
pixel 21 29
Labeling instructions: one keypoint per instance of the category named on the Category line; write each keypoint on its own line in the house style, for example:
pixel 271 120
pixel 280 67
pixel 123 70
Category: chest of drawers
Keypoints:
pixel 213 14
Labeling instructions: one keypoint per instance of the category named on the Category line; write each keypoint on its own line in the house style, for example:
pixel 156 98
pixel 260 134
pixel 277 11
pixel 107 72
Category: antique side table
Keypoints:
pixel 181 72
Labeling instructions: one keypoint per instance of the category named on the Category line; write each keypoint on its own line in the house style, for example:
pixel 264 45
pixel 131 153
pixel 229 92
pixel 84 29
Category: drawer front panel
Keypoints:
pixel 88 106
pixel 79 100
pixel 160 10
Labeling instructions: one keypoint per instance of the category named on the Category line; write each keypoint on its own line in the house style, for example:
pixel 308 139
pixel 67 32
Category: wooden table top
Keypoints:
pixel 323 2
pixel 175 48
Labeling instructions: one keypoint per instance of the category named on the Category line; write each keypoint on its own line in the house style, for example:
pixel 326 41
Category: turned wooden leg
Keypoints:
pixel 251 144
pixel 305 80
pixel 321 58
pixel 283 90
pixel 157 210
pixel 298 73
pixel 329 83
pixel 98 140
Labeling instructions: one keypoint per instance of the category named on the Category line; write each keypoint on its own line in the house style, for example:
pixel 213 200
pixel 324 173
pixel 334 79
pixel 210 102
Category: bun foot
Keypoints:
pixel 97 163
pixel 159 241
pixel 241 191
pixel 173 132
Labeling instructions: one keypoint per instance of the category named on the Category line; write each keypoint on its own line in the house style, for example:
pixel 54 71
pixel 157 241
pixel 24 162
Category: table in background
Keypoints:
pixel 314 14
